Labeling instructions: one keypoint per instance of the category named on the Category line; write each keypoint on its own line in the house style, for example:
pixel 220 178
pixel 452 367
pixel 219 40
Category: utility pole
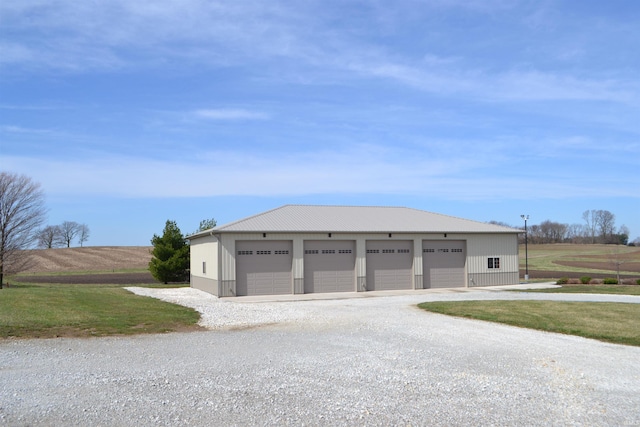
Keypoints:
pixel 526 248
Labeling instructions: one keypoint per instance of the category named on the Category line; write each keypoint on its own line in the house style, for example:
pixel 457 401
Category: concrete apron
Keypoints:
pixel 370 294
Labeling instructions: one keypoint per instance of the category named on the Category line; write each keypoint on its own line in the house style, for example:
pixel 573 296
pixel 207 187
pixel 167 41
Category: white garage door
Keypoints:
pixel 329 266
pixel 389 264
pixel 263 267
pixel 443 263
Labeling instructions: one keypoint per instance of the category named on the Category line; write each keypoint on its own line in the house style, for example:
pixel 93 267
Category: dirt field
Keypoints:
pixel 88 259
pixel 120 265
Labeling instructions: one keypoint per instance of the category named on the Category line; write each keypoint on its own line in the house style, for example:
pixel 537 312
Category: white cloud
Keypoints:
pixel 15 53
pixel 80 36
pixel 230 114
pixel 450 78
pixel 534 85
pixel 77 36
pixel 20 129
pixel 357 170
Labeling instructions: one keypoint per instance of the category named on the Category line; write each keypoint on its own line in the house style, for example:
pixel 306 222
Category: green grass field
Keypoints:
pixel 589 289
pixel 576 260
pixel 609 322
pixel 45 311
pixel 25 276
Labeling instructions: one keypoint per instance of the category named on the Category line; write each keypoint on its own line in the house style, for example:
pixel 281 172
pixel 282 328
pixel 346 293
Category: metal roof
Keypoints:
pixel 355 219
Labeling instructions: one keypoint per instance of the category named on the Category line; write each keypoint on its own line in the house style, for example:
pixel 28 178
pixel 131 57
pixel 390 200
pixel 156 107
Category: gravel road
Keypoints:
pixel 372 360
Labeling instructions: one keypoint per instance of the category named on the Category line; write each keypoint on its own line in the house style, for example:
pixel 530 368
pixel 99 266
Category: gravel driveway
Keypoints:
pixel 357 361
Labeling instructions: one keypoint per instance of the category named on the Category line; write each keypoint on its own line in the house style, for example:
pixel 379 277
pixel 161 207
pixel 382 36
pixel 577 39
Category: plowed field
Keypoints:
pixel 120 265
pixel 88 259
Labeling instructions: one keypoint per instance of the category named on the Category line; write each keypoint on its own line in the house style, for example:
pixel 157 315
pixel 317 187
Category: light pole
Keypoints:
pixel 526 248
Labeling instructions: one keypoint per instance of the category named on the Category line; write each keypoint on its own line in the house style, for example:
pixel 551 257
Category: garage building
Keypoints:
pixel 299 249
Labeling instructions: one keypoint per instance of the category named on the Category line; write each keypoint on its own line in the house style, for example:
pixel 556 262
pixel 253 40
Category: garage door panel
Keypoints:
pixel 446 277
pixel 444 263
pixel 264 267
pixel 389 264
pixel 332 281
pixel 329 266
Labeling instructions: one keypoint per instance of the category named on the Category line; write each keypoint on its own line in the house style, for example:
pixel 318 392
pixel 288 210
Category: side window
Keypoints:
pixel 493 262
pixel 204 267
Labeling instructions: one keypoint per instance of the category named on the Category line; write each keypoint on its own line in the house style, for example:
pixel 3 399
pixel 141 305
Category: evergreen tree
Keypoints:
pixel 170 262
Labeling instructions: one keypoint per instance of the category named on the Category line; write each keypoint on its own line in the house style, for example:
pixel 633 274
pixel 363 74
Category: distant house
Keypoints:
pixel 299 249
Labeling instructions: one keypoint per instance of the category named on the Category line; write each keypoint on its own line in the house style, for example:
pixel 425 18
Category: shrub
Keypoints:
pixel 573 282
pixel 595 281
pixel 610 281
pixel 562 281
pixel 585 280
pixel 638 282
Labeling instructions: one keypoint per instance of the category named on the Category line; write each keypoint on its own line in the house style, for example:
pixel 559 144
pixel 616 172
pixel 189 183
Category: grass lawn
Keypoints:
pixel 578 259
pixel 45 311
pixel 589 289
pixel 25 276
pixel 610 322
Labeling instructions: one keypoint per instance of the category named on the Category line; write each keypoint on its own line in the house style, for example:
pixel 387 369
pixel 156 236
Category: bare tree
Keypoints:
pixel 50 237
pixel 591 224
pixel 605 221
pixel 575 233
pixel 534 234
pixel 70 230
pixel 622 236
pixel 22 212
pixel 624 230
pixel 206 224
pixel 552 232
pixel 83 234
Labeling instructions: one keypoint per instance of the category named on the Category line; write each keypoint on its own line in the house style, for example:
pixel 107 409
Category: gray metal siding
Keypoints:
pixel 227 258
pixel 504 247
pixel 205 284
pixel 493 279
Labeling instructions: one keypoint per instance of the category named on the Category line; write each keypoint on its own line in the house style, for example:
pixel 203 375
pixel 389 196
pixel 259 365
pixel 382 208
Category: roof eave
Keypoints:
pixel 219 231
pixel 205 233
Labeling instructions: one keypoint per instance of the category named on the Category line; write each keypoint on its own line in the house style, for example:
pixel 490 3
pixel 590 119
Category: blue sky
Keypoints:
pixel 130 112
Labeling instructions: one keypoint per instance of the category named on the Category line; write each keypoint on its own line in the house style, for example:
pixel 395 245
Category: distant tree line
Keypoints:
pixel 58 236
pixel 599 227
